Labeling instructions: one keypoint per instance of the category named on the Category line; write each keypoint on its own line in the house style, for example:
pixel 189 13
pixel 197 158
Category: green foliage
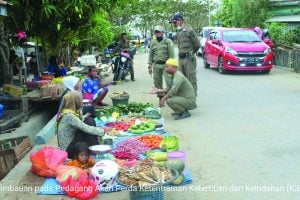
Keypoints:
pixel 241 13
pixel 280 34
pixel 58 21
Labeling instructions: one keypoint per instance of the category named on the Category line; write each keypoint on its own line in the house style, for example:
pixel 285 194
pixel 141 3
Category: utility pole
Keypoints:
pixel 208 12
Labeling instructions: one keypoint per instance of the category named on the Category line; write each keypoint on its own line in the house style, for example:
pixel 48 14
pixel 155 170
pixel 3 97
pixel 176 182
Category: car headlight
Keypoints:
pixel 267 51
pixel 230 50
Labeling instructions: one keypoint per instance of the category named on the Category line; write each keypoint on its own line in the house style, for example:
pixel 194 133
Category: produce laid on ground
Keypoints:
pixel 125 109
pixel 151 141
pixel 146 174
pixel 129 149
pixel 119 126
pixel 141 128
pixel 169 143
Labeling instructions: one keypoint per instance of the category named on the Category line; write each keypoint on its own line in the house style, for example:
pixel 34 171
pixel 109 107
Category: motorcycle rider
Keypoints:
pixel 124 45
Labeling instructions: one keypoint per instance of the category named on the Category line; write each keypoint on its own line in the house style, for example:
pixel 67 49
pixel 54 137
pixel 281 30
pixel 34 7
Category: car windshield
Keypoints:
pixel 240 36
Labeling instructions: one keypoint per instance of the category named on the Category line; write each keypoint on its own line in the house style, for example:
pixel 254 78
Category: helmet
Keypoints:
pixel 104 173
pixel 158 28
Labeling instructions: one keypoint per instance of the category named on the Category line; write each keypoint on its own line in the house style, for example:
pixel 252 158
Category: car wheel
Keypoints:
pixel 221 66
pixel 266 71
pixel 206 65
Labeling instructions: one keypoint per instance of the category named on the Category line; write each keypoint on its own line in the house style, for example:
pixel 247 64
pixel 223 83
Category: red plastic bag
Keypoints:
pixel 47 160
pixel 63 173
pixel 83 188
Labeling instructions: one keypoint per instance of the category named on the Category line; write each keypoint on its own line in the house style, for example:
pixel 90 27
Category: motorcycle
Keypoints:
pixel 121 66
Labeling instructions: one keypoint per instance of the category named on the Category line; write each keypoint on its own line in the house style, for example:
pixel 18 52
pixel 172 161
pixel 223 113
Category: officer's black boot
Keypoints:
pixel 132 77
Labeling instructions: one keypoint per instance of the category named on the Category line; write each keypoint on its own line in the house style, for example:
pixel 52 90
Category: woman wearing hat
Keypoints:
pixel 179 94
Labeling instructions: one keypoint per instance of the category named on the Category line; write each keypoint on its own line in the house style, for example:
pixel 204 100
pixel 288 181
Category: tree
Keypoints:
pixel 241 13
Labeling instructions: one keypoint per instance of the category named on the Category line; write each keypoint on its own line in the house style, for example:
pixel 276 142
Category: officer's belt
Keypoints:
pixel 160 62
pixel 184 55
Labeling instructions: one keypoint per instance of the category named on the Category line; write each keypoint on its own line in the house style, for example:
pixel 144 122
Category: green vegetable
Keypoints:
pixel 169 143
pixel 157 156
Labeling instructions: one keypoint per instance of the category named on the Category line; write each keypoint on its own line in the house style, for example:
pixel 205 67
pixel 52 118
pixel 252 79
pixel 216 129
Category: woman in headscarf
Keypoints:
pixel 70 122
pixel 71 83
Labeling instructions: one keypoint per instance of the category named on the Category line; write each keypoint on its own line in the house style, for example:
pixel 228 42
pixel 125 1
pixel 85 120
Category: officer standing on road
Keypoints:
pixel 188 45
pixel 124 45
pixel 161 50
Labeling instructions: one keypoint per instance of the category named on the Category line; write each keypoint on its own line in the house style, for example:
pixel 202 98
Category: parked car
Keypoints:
pixel 203 35
pixel 237 49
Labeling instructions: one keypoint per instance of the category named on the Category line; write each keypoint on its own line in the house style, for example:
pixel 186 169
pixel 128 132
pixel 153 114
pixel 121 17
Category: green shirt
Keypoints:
pixel 181 86
pixel 187 41
pixel 161 51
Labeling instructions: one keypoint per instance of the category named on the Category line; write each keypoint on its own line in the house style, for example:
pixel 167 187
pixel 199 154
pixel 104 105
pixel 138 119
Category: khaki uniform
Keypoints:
pixel 122 45
pixel 159 53
pixel 181 94
pixel 188 45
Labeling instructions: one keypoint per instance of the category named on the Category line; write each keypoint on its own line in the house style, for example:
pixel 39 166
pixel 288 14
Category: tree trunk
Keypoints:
pixel 5 69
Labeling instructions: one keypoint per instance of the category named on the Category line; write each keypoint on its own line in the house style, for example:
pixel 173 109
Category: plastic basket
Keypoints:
pixel 146 195
pixel 120 100
pixel 154 192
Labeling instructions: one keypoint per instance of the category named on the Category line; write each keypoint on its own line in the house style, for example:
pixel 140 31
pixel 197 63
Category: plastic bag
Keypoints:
pixel 63 173
pixel 83 188
pixel 47 160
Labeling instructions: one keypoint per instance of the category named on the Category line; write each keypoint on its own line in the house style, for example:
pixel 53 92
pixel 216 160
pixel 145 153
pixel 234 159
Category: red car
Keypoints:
pixel 237 49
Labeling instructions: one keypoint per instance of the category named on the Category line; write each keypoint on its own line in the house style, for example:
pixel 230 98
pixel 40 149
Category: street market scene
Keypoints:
pixel 149 99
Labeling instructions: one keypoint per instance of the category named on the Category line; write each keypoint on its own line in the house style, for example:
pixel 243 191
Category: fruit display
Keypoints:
pixel 157 156
pixel 169 143
pixel 142 127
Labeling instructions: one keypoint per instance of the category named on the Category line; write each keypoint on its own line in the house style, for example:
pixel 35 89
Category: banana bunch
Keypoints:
pixel 57 80
pixel 169 143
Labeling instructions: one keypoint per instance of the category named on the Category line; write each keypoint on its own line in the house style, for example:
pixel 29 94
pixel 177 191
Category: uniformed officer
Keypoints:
pixel 188 45
pixel 124 45
pixel 161 50
pixel 179 95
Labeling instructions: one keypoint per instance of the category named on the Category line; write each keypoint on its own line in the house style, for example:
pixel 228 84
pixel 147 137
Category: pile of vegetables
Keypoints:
pixel 125 109
pixel 129 149
pixel 169 143
pixel 142 127
pixel 151 141
pixel 117 126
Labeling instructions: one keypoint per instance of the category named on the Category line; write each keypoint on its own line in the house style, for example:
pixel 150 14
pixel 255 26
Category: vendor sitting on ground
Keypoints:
pixel 71 83
pixel 70 121
pixel 82 156
pixel 93 89
pixel 180 95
